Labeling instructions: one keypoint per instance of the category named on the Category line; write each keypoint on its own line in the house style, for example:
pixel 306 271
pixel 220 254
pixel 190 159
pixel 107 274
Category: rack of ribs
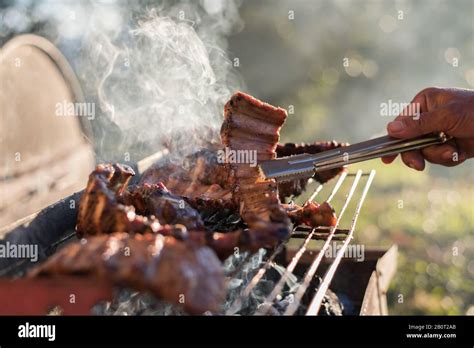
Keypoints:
pixel 253 126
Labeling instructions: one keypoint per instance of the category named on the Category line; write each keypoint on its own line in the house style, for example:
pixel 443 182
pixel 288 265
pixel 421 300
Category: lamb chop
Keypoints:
pixel 176 271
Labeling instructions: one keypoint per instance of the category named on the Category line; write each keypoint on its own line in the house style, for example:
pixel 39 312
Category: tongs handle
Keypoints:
pixel 376 148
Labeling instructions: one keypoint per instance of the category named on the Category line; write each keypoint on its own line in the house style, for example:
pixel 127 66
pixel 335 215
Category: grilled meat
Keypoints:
pixel 312 214
pixel 168 208
pixel 107 206
pixel 177 271
pixel 296 187
pixel 100 210
pixel 201 179
pixel 253 126
pixel 152 238
pixel 207 182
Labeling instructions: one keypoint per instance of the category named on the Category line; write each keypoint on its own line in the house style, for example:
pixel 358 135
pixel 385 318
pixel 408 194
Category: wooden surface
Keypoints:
pixel 375 299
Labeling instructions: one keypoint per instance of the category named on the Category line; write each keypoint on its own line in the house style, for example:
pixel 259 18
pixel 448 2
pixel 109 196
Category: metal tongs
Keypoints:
pixel 306 165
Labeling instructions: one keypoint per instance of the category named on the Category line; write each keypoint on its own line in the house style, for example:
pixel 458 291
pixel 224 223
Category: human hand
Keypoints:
pixel 450 110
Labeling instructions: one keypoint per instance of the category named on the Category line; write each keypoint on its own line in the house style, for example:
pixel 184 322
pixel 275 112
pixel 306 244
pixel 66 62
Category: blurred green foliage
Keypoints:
pixel 431 220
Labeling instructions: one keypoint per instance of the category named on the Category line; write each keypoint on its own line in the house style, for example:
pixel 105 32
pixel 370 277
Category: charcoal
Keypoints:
pixel 223 220
pixel 347 304
pixel 331 305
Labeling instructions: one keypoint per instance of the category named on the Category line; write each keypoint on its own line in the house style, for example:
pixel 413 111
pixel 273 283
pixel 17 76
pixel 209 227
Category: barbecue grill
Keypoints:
pixel 302 255
pixel 365 283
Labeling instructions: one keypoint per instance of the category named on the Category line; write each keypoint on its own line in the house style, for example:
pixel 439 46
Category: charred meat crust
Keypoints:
pixel 107 208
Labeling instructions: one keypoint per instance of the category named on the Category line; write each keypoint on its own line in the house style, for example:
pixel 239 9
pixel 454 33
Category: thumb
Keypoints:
pixel 413 126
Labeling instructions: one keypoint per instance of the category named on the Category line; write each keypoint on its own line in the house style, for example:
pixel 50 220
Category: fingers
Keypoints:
pixel 425 123
pixel 446 154
pixel 388 159
pixel 414 159
pixel 455 118
pixel 435 110
pixel 421 116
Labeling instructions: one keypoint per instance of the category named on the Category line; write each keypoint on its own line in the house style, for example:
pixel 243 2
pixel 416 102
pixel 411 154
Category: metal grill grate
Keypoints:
pixel 307 234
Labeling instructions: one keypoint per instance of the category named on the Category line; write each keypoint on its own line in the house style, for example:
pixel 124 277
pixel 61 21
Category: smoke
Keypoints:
pixel 158 71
